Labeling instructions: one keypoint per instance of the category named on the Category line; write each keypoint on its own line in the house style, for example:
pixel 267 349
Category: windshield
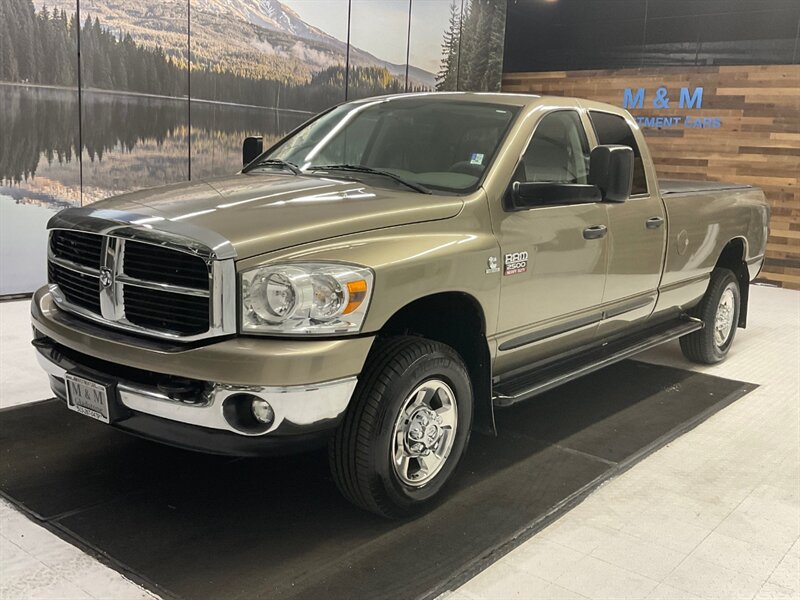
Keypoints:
pixel 437 144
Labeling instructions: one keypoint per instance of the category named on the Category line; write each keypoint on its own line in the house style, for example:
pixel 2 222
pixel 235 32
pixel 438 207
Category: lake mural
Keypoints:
pixel 166 90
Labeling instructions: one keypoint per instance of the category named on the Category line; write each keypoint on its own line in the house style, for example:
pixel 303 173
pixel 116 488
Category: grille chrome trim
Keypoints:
pixel 111 296
pixel 153 262
pixel 146 308
pixel 222 273
pixel 71 265
pixel 163 287
pixel 81 296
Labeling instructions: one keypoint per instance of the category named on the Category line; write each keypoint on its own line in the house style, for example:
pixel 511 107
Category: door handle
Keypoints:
pixel 654 222
pixel 595 232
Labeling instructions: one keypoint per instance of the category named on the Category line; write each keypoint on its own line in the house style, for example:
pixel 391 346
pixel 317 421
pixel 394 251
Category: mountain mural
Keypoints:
pixel 251 38
pixel 269 14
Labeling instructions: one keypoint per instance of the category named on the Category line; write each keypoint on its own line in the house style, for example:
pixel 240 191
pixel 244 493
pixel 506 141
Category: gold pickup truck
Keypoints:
pixel 385 277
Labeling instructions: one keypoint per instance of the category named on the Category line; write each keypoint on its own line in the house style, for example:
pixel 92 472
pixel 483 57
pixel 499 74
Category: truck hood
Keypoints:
pixel 260 212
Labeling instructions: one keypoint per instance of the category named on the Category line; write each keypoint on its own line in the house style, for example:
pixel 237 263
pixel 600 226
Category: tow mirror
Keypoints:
pixel 251 148
pixel 533 194
pixel 611 170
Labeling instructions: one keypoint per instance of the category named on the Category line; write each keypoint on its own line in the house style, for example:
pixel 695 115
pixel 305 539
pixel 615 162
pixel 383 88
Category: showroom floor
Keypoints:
pixel 714 514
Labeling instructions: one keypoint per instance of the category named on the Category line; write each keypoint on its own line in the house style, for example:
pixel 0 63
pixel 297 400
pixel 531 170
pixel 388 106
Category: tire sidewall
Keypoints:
pixel 725 280
pixel 437 365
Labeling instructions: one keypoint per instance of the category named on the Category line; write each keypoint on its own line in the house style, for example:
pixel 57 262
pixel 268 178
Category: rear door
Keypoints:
pixel 553 272
pixel 637 232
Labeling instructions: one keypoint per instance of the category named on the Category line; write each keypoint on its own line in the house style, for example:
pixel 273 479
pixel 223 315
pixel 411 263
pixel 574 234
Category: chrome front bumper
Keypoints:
pixel 298 409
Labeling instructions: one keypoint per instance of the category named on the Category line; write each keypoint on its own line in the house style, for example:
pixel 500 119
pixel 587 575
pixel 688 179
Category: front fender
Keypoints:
pixel 414 261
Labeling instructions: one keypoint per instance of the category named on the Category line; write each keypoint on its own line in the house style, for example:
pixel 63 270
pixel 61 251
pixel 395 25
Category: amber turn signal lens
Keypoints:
pixel 357 291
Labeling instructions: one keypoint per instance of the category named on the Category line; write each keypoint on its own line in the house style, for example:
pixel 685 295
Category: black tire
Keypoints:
pixel 360 452
pixel 704 346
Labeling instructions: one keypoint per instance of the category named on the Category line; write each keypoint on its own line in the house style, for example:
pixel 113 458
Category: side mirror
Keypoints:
pixel 533 194
pixel 251 148
pixel 611 170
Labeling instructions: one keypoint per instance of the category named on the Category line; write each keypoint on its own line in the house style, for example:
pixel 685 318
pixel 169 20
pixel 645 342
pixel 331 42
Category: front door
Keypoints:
pixel 553 257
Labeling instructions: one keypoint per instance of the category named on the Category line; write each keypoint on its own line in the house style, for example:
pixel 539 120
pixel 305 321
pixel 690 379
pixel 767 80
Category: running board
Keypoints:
pixel 539 380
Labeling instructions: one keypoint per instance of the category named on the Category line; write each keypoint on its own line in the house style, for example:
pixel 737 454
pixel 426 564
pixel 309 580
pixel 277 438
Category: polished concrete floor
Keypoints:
pixel 715 514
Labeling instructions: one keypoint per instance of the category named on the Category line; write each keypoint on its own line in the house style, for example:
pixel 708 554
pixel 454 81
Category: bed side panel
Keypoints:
pixel 700 224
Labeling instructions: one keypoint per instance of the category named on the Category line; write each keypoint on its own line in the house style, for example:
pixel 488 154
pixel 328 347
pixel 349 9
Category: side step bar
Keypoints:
pixel 539 380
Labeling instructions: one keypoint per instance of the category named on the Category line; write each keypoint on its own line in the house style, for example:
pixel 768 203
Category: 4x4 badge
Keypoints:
pixel 492 265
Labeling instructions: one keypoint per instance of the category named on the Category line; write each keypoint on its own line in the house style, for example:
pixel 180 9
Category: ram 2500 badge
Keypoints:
pixel 385 277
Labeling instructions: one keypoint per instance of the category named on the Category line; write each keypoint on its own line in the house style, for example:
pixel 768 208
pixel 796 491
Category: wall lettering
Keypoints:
pixel 662 99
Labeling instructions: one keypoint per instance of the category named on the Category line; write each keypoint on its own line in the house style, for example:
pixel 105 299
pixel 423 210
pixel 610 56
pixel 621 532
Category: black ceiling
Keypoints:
pixel 556 35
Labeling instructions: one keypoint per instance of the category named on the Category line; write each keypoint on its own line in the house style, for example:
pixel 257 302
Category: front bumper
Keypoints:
pixel 164 399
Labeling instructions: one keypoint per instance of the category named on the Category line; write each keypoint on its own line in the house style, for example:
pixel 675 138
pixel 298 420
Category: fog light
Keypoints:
pixel 262 411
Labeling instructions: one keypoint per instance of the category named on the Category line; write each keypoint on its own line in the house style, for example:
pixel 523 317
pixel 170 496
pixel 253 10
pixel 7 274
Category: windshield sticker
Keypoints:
pixel 515 263
pixel 476 159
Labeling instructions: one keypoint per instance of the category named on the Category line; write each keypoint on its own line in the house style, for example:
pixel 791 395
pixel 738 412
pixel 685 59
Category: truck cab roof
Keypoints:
pixel 504 98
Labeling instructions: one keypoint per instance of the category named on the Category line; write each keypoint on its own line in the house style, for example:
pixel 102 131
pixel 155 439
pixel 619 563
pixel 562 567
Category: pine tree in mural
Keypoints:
pixel 9 70
pixel 472 47
pixel 36 48
pixel 446 77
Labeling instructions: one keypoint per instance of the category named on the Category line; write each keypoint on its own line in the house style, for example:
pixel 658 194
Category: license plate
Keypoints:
pixel 87 397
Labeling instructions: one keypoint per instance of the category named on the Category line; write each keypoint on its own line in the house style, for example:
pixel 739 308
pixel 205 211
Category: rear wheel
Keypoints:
pixel 719 311
pixel 406 429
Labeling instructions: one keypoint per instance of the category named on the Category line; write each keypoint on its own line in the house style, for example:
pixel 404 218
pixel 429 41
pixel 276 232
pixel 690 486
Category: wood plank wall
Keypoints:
pixel 758 141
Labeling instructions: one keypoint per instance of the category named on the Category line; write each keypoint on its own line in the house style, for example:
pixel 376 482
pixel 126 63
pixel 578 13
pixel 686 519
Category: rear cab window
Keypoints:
pixel 614 130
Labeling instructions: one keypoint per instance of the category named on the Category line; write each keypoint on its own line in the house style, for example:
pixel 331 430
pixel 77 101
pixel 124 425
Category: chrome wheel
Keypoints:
pixel 424 433
pixel 726 311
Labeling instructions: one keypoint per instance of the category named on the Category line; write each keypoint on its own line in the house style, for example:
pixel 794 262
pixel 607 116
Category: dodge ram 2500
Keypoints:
pixel 386 276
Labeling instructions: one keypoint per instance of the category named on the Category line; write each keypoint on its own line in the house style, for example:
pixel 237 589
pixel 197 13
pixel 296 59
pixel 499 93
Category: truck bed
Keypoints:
pixel 681 186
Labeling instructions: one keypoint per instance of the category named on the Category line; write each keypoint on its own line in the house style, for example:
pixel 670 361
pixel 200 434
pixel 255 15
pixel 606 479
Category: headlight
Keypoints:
pixel 305 298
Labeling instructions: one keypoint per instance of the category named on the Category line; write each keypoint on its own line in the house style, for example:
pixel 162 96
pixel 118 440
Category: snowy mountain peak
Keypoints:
pixel 268 14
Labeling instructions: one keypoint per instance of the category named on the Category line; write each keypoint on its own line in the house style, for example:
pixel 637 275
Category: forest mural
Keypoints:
pixel 165 90
pixel 472 56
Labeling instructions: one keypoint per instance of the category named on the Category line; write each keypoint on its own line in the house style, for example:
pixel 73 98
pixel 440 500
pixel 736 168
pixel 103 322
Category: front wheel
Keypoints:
pixel 719 311
pixel 406 429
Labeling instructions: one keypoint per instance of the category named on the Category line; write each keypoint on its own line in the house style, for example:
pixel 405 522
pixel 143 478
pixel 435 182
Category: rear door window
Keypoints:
pixel 614 130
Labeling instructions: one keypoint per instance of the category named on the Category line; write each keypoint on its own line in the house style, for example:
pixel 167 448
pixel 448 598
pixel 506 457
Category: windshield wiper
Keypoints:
pixel 276 162
pixel 369 170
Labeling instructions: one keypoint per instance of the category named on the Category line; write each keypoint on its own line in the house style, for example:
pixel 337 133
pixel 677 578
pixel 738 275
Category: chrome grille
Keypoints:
pixel 154 263
pixel 148 287
pixel 155 309
pixel 78 288
pixel 83 248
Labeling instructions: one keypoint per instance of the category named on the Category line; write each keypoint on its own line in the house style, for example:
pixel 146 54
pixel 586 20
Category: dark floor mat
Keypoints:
pixel 197 526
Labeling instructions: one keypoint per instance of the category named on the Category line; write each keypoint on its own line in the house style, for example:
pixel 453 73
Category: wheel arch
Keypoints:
pixel 458 320
pixel 734 258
